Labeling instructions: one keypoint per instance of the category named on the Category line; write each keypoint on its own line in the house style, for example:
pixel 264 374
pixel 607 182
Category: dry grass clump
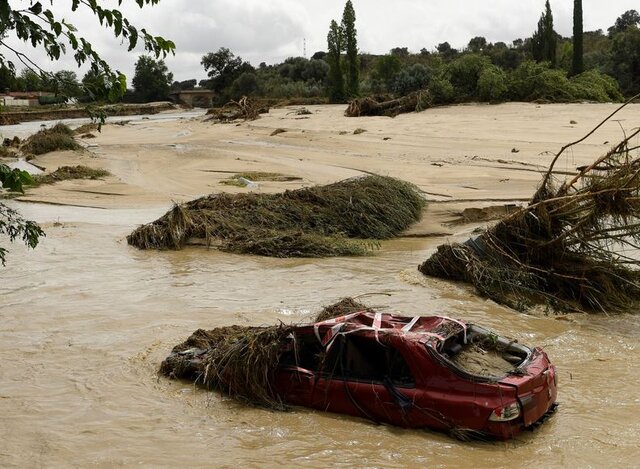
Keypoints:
pixel 86 128
pixel 65 173
pixel 344 218
pixel 574 247
pixel 343 307
pixel 238 360
pixel 58 137
pixel 257 176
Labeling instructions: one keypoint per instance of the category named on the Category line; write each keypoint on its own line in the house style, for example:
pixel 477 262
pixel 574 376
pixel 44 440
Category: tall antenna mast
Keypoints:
pixel 304 47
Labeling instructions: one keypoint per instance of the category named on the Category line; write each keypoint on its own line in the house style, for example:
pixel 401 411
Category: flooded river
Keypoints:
pixel 86 319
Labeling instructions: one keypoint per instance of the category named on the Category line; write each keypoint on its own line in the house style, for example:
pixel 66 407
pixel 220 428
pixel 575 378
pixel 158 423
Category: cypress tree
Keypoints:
pixel 544 40
pixel 351 48
pixel 335 47
pixel 577 66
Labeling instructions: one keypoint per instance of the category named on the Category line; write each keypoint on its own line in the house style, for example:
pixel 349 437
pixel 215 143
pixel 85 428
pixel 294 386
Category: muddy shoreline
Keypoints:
pixel 15 117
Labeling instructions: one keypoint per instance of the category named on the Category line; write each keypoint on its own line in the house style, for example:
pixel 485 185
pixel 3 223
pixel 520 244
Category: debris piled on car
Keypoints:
pixel 344 218
pixel 380 106
pixel 571 249
pixel 343 307
pixel 241 360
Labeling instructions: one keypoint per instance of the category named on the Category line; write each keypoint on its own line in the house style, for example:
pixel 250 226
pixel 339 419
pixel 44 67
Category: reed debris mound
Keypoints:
pixel 343 307
pixel 573 248
pixel 344 218
pixel 58 137
pixel 65 173
pixel 380 106
pixel 240 361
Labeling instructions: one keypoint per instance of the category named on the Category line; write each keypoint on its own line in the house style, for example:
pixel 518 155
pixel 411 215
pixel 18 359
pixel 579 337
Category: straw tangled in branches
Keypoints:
pixel 240 361
pixel 345 218
pixel 373 106
pixel 574 247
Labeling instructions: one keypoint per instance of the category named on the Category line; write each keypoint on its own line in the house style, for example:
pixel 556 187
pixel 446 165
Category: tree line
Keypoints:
pixel 591 65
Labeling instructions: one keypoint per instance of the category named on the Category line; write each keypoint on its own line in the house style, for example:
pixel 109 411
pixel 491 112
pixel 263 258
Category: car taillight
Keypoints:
pixel 505 413
pixel 551 373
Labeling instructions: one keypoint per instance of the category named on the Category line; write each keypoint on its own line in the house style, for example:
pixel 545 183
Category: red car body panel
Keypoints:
pixel 431 393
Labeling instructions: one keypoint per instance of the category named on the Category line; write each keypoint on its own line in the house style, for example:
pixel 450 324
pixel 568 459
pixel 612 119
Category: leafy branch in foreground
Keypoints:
pixel 14 226
pixel 11 223
pixel 39 26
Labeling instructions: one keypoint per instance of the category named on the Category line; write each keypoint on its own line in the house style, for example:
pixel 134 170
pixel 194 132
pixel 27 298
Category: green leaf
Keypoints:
pixel 36 8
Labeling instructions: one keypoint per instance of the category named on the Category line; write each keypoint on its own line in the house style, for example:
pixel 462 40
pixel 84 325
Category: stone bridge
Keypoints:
pixel 193 98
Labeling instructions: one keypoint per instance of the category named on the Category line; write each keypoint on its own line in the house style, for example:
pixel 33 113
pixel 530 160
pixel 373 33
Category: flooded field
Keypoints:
pixel 86 319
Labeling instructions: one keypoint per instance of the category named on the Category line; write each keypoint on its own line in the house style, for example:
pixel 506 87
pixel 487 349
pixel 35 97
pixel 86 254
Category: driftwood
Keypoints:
pixel 573 248
pixel 243 109
pixel 414 102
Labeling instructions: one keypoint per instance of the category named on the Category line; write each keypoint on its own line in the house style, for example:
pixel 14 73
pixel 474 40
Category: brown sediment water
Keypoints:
pixel 85 319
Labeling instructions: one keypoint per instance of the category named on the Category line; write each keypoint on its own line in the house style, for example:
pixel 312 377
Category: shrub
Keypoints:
pixel 536 81
pixel 596 86
pixel 533 81
pixel 464 72
pixel 59 137
pixel 442 91
pixel 413 78
pixel 492 84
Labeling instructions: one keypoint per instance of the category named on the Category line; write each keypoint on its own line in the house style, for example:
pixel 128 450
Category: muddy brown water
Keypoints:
pixel 85 321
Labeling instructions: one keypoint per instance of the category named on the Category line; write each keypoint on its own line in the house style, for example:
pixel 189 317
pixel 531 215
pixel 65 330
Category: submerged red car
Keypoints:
pixel 416 372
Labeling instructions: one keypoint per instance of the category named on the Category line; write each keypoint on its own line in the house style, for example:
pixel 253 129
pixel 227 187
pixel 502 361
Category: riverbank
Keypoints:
pixel 13 117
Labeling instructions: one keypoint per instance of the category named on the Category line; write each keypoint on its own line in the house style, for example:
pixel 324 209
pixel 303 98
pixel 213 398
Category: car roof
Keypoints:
pixel 423 329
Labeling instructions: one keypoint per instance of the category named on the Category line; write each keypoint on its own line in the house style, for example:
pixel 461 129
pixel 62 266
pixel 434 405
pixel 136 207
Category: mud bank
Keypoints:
pixel 14 117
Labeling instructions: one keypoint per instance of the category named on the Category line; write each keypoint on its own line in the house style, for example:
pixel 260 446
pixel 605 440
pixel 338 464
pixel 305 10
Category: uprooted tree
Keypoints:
pixel 573 248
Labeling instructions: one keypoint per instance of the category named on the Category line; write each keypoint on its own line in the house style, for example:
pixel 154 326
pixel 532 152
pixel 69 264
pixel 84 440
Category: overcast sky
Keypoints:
pixel 272 30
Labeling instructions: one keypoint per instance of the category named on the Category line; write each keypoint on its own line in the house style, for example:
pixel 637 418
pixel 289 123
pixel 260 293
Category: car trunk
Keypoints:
pixel 483 356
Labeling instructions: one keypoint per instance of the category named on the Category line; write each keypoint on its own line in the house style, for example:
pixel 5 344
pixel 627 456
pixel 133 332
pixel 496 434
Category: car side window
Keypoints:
pixel 361 358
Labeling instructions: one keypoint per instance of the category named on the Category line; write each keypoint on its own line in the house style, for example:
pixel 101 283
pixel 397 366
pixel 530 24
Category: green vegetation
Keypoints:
pixel 333 220
pixel 65 173
pixel 577 66
pixel 544 40
pixel 151 80
pixel 351 50
pixel 481 71
pixel 58 137
pixel 43 29
pixel 257 176
pixel 334 58
pixel 12 224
